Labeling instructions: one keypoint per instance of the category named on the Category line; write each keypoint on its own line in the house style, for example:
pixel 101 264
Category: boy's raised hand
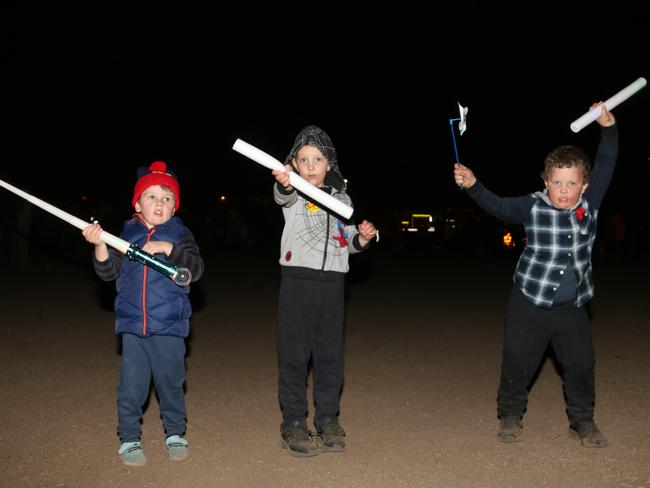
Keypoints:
pixel 367 232
pixel 158 247
pixel 606 119
pixel 464 176
pixel 92 234
pixel 282 177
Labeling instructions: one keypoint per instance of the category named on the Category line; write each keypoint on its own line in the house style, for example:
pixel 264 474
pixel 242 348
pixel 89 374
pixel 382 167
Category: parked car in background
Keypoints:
pixel 461 230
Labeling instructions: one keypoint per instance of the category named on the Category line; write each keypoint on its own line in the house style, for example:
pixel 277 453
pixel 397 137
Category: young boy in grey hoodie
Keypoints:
pixel 314 255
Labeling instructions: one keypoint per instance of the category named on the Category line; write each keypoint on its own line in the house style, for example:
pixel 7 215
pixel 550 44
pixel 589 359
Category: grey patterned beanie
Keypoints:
pixel 317 137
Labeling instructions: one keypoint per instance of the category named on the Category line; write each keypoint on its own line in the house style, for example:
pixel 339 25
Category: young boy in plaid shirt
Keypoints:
pixel 553 280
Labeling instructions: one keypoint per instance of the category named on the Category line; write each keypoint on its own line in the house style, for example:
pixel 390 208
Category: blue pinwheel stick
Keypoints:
pixel 453 137
pixel 462 126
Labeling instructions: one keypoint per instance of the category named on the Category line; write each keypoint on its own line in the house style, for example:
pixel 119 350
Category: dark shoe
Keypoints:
pixel 296 439
pixel 331 435
pixel 588 433
pixel 510 429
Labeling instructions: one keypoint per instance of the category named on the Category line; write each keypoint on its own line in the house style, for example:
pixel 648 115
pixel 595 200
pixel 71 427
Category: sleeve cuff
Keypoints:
pixel 283 191
pixel 357 245
pixel 475 189
pixel 174 256
pixel 102 265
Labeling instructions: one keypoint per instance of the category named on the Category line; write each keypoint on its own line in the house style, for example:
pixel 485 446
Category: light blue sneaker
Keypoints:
pixel 132 454
pixel 177 448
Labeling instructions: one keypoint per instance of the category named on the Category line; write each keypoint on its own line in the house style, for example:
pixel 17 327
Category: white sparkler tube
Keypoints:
pixel 180 276
pixel 580 123
pixel 119 244
pixel 297 182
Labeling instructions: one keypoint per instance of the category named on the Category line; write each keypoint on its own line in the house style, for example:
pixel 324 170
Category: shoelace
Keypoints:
pixel 332 429
pixel 175 444
pixel 299 435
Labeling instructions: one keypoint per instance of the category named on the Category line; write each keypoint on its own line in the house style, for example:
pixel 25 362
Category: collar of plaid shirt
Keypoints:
pixel 555 240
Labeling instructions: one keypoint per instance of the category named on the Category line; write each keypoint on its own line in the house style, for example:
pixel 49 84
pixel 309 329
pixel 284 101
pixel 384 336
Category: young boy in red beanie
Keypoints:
pixel 152 312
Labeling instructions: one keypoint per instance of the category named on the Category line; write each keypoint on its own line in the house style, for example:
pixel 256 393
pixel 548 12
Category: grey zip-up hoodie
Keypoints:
pixel 313 238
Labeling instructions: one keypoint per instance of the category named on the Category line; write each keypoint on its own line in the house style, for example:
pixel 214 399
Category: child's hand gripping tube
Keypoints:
pixel 180 276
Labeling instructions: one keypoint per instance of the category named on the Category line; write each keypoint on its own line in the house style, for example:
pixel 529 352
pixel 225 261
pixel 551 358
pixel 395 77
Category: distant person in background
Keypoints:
pixel 553 280
pixel 151 312
pixel 315 248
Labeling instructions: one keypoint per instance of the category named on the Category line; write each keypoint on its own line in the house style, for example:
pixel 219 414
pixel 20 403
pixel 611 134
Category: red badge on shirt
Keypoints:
pixel 580 212
pixel 287 256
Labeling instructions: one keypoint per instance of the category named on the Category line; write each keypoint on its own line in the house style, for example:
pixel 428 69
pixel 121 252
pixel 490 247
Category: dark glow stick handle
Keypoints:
pixel 180 276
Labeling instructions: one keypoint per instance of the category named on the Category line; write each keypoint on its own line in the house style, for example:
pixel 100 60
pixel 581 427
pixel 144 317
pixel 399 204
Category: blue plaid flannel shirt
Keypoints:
pixel 556 239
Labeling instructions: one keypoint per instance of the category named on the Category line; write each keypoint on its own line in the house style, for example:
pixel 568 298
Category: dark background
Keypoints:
pixel 93 92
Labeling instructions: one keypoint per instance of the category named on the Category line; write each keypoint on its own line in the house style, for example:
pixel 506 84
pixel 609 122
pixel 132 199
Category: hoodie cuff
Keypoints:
pixel 283 191
pixel 357 244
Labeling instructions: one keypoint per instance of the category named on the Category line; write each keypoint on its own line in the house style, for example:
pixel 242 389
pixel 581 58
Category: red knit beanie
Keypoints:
pixel 157 174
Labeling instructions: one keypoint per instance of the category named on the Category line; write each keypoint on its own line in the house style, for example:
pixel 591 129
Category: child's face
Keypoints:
pixel 311 165
pixel 565 186
pixel 156 205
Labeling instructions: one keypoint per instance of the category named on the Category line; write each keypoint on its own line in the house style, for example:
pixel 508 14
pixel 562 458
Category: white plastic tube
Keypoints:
pixel 297 182
pixel 119 244
pixel 581 122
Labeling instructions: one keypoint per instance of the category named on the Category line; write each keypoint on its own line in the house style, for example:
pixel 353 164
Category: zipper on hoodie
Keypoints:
pixel 327 238
pixel 144 289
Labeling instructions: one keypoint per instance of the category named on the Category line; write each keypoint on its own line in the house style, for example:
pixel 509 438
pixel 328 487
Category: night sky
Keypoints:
pixel 93 93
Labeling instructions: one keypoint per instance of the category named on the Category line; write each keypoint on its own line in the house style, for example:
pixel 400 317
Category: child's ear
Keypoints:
pixel 328 167
pixel 294 164
pixel 137 207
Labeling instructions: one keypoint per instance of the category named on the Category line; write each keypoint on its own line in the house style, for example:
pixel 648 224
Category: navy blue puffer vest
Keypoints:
pixel 148 302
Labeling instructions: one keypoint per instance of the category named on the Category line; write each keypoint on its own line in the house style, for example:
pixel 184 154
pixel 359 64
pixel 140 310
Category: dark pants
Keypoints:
pixel 160 357
pixel 529 330
pixel 310 324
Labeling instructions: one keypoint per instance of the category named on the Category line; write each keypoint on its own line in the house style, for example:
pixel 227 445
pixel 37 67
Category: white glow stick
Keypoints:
pixel 119 244
pixel 580 123
pixel 296 181
pixel 181 276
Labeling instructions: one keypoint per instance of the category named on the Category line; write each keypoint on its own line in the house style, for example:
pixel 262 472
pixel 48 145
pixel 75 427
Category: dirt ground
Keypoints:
pixel 423 343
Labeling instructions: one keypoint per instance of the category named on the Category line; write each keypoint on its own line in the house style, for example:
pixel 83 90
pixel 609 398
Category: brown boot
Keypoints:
pixel 588 433
pixel 331 434
pixel 297 440
pixel 510 429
